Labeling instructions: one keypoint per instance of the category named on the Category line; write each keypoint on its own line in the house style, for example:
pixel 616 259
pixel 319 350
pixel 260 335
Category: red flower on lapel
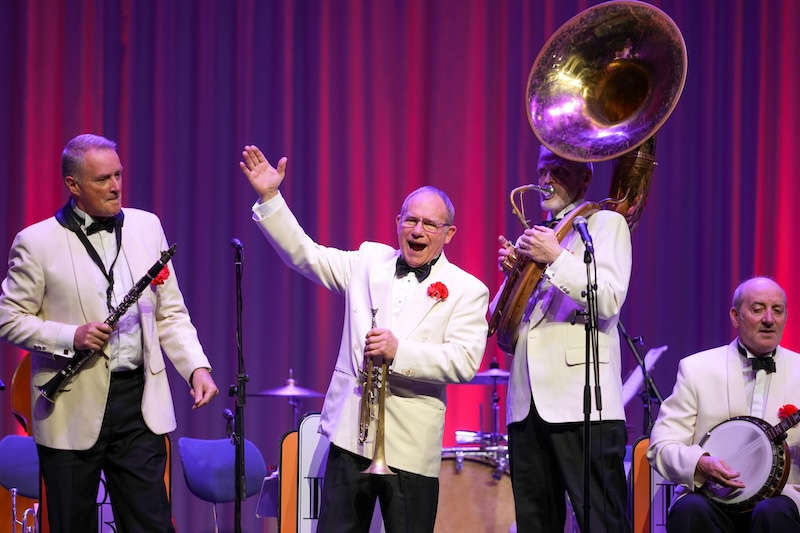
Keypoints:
pixel 161 277
pixel 438 290
pixel 786 411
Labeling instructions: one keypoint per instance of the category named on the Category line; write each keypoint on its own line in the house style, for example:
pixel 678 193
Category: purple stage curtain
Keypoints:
pixel 370 100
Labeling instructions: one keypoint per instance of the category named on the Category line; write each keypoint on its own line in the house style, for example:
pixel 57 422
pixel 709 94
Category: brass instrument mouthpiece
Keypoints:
pixel 547 190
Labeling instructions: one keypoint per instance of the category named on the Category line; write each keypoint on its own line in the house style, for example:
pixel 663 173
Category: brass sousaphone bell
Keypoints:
pixel 599 89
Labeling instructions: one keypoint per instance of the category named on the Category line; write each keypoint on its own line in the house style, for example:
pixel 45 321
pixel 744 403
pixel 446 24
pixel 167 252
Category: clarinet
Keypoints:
pixel 50 390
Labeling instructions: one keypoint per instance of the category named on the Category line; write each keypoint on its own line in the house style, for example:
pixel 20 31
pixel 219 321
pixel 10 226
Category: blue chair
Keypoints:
pixel 208 468
pixel 19 472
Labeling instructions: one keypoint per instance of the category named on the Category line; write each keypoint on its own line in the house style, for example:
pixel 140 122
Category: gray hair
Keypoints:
pixel 451 211
pixel 72 156
pixel 738 294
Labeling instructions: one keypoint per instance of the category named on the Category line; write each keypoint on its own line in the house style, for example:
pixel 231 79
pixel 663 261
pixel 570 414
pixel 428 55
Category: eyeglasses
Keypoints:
pixel 559 173
pixel 428 225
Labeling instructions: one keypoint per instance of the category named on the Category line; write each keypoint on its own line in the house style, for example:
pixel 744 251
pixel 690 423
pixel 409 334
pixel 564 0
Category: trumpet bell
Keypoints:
pixel 606 80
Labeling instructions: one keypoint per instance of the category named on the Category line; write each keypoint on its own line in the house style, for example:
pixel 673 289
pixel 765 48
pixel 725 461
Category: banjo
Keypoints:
pixel 755 449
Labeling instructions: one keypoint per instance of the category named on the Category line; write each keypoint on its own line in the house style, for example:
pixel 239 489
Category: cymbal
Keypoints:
pixel 490 377
pixel 290 390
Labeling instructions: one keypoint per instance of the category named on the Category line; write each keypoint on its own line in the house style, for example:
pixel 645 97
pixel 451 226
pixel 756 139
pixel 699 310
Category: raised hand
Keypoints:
pixel 263 177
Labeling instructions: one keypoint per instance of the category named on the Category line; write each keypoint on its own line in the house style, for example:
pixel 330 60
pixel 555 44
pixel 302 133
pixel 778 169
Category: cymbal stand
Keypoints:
pixel 495 437
pixel 294 403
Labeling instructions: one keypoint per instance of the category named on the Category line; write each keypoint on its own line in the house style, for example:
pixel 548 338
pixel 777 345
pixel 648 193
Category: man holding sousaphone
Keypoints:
pixel 722 434
pixel 547 375
pixel 419 317
pixel 599 89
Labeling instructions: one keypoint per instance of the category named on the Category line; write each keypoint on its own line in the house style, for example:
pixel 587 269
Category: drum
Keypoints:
pixel 475 491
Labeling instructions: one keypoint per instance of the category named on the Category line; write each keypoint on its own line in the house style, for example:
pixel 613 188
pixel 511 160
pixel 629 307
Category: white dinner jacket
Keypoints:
pixel 549 358
pixel 439 342
pixel 49 292
pixel 710 389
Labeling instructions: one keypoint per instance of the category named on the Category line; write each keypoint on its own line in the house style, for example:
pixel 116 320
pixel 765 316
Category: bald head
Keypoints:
pixel 758 313
pixel 754 284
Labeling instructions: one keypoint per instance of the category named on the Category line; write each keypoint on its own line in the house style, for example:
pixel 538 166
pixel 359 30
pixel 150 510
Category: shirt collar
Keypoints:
pixel 747 354
pixel 567 209
pixel 83 219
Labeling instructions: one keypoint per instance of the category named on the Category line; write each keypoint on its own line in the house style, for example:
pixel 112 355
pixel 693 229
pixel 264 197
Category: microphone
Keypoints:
pixel 237 251
pixel 579 225
pixel 227 414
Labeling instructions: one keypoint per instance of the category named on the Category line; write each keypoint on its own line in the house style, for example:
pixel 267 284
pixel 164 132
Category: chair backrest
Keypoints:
pixel 209 466
pixel 19 465
pixel 287 515
pixel 21 393
pixel 641 487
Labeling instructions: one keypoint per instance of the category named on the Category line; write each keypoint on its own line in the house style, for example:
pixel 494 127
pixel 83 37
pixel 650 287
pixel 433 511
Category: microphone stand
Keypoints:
pixel 650 394
pixel 591 347
pixel 238 390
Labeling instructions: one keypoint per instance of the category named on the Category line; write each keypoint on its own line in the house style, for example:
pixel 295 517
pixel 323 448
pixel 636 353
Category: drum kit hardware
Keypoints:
pixel 493 376
pixel 293 392
pixel 475 478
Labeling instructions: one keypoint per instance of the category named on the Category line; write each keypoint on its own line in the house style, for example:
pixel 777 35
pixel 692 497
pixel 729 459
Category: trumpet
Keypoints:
pixel 374 383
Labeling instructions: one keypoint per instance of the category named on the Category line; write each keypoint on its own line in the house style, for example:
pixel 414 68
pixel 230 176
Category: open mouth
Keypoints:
pixel 417 246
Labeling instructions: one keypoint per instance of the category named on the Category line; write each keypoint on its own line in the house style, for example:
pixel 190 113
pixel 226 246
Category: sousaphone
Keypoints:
pixel 600 88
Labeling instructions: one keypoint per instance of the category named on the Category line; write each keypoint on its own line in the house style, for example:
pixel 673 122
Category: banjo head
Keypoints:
pixel 742 443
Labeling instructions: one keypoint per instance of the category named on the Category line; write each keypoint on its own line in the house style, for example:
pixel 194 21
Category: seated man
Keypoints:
pixel 752 376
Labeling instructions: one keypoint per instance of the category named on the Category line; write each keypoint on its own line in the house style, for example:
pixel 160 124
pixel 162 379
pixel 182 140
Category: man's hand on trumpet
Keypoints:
pixel 381 343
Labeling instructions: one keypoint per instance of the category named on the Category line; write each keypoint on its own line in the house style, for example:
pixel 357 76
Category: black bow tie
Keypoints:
pixel 108 224
pixel 763 363
pixel 402 268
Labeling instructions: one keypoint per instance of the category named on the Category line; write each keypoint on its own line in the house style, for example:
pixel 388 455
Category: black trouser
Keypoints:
pixel 133 459
pixel 547 459
pixel 694 513
pixel 408 501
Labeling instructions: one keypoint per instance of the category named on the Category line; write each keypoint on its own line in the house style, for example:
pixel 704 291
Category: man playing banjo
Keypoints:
pixel 727 478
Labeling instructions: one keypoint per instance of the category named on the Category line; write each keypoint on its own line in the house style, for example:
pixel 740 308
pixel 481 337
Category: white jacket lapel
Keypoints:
pixel 418 304
pixel 85 279
pixel 737 404
pixel 138 262
pixel 380 291
pixel 778 383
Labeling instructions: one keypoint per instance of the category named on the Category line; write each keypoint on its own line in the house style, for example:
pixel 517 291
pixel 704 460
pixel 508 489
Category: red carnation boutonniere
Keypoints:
pixel 786 411
pixel 438 290
pixel 161 277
